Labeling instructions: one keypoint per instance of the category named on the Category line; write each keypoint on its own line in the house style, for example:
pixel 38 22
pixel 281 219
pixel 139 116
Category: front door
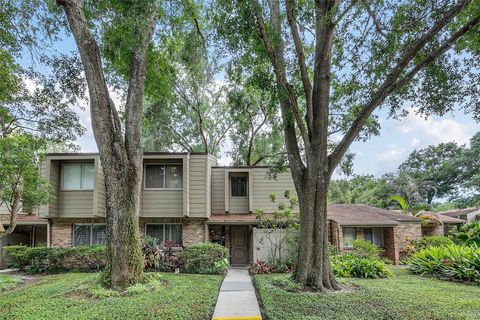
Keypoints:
pixel 239 245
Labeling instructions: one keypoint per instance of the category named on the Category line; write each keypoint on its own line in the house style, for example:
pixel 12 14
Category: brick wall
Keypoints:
pixel 433 230
pixel 403 234
pixel 62 230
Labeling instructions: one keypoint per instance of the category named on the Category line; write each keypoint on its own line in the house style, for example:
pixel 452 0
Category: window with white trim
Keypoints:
pixel 88 234
pixel 165 232
pixel 374 235
pixel 78 176
pixel 163 176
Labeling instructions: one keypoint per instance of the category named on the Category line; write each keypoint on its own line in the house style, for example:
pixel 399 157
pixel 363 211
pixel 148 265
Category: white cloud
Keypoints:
pixel 435 130
pixel 415 142
pixel 392 153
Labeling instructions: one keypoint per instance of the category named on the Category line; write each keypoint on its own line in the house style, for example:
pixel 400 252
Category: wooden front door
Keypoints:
pixel 239 245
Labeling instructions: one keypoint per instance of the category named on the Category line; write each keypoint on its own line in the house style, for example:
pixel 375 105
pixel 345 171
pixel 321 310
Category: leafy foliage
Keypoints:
pixel 21 184
pixel 450 261
pixel 163 257
pixel 469 234
pixel 205 258
pixel 432 241
pixel 351 265
pixel 281 228
pixel 43 259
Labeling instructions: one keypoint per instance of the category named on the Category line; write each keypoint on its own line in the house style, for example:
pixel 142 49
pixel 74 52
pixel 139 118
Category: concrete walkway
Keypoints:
pixel 237 299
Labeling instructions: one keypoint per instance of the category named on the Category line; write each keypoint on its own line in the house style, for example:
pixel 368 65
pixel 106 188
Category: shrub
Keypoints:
pixel 468 234
pixel 452 261
pixel 162 257
pixel 351 265
pixel 432 241
pixel 42 259
pixel 205 258
pixel 365 249
pixel 272 266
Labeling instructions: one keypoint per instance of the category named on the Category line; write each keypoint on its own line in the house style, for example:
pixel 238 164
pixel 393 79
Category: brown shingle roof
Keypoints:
pixel 23 219
pixel 363 215
pixel 458 212
pixel 442 218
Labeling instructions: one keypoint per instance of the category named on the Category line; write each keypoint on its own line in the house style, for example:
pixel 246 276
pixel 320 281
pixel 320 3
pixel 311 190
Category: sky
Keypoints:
pixel 377 156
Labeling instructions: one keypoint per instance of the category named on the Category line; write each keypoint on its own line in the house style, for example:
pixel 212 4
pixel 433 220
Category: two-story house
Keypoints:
pixel 185 197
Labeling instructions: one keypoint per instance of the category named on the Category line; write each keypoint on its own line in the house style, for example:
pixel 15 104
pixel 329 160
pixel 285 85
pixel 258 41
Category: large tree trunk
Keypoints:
pixel 120 150
pixel 313 270
pixel 125 262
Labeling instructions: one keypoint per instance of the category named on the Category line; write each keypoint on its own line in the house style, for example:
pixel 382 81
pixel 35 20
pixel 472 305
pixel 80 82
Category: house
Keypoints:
pixel 436 224
pixel 185 197
pixel 189 198
pixel 389 230
pixel 467 214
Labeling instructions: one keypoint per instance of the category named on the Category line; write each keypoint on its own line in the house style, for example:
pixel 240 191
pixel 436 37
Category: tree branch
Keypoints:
pixel 307 86
pixel 391 83
pixel 280 74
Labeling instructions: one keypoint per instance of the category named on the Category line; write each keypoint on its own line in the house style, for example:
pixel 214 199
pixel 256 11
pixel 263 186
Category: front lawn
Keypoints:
pixel 404 296
pixel 8 281
pixel 78 296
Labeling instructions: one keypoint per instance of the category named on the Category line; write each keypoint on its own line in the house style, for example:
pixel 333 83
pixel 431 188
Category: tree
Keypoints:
pixel 21 185
pixel 335 64
pixel 128 28
pixel 435 165
pixel 467 192
pixel 256 137
pixel 33 101
pixel 361 189
pixel 194 116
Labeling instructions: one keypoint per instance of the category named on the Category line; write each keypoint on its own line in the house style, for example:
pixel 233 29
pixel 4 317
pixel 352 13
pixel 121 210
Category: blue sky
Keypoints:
pixel 379 155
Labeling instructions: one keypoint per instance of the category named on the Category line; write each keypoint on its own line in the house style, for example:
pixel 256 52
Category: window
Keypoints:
pixel 238 186
pixel 78 177
pixel 349 234
pixel 88 234
pixel 160 176
pixel 165 232
pixel 374 235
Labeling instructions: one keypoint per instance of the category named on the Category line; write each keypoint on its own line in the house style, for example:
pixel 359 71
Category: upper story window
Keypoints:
pixel 78 176
pixel 239 186
pixel 163 176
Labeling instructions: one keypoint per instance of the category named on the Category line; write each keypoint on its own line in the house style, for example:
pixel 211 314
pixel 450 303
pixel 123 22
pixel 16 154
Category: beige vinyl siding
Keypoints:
pixel 50 171
pixel 212 161
pixel 263 187
pixel 218 190
pixel 99 190
pixel 75 203
pixel 162 203
pixel 198 185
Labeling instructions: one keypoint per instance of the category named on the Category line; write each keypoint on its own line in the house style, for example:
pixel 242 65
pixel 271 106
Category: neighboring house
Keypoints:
pixel 467 214
pixel 436 224
pixel 389 230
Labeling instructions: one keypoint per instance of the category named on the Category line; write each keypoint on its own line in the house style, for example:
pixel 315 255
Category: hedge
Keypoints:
pixel 205 258
pixel 43 259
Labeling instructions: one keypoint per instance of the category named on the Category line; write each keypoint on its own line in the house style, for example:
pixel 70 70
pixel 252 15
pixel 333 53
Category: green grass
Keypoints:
pixel 404 296
pixel 78 296
pixel 8 281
